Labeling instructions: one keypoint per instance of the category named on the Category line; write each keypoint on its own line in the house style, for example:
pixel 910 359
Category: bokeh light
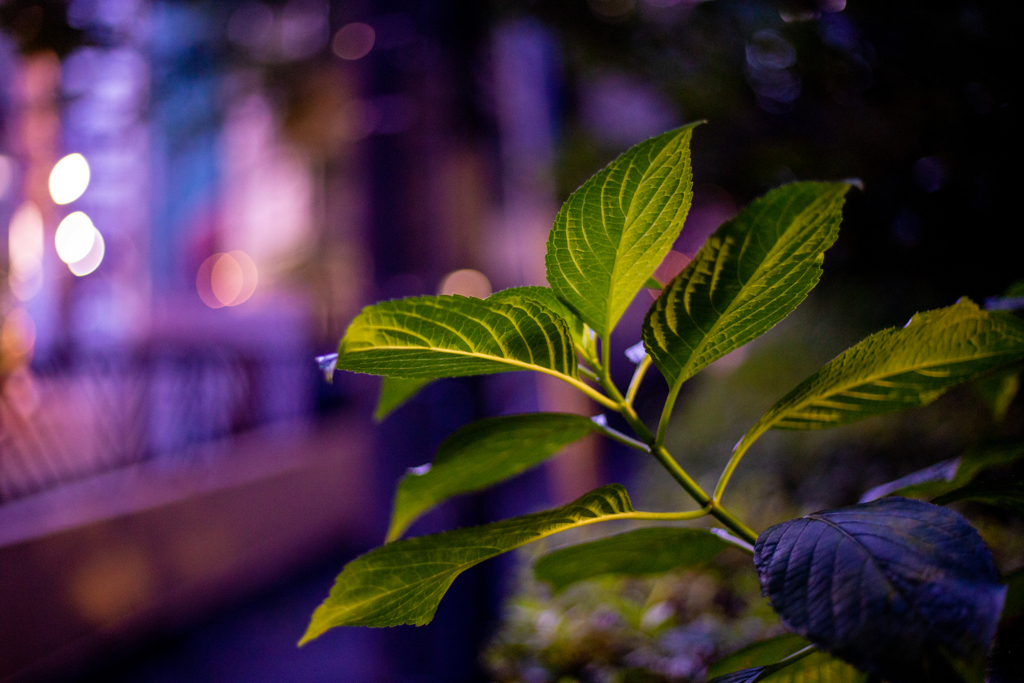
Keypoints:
pixel 226 279
pixel 466 282
pixel 25 251
pixel 353 41
pixel 18 334
pixel 92 260
pixel 75 237
pixel 69 179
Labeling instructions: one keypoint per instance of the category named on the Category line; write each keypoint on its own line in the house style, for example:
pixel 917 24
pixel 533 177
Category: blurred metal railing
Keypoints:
pixel 59 425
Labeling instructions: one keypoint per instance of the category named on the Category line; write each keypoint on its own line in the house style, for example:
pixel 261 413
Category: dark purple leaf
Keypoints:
pixel 900 588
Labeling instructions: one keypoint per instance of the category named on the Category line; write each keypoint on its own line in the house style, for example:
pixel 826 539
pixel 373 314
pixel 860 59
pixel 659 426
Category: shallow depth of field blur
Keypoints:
pixel 198 196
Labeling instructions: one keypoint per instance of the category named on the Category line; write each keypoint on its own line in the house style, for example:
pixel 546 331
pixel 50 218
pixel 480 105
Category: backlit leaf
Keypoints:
pixel 818 667
pixel 449 336
pixel 757 654
pixel 545 296
pixel 635 553
pixel 899 368
pixel 949 475
pixel 653 284
pixel 403 582
pixel 900 588
pixel 750 274
pixel 613 232
pixel 394 392
pixel 482 454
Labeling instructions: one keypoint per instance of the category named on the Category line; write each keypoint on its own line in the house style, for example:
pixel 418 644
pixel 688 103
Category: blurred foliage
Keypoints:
pixel 631 630
pixel 914 98
pixel 39 26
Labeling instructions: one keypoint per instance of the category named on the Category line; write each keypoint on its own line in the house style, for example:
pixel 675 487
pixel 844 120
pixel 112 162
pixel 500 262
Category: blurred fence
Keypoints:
pixel 61 425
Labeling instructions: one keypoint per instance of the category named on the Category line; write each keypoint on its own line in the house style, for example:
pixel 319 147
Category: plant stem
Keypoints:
pixel 638 376
pixel 670 516
pixel 666 412
pixel 616 435
pixel 734 461
pixel 673 467
pixel 588 373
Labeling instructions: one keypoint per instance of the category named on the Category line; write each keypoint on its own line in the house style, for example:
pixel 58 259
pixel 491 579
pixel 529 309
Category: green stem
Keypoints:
pixel 734 461
pixel 666 413
pixel 588 373
pixel 669 516
pixel 616 435
pixel 677 472
pixel 638 376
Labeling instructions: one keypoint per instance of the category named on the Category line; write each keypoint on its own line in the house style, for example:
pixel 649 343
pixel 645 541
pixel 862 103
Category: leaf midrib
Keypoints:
pixel 456 352
pixel 626 224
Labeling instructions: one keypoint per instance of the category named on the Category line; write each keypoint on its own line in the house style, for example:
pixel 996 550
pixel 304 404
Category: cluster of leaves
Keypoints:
pixel 898 588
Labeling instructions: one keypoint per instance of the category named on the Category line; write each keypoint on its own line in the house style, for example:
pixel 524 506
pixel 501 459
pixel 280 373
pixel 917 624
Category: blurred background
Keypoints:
pixel 198 197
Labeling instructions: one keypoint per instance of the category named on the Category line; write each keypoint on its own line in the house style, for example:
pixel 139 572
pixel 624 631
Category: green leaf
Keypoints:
pixel 403 582
pixel 899 368
pixel 653 284
pixel 482 454
pixel 948 475
pixel 762 653
pixel 818 667
pixel 636 553
pixel 1003 494
pixel 998 391
pixel 394 392
pixel 614 231
pixel 450 336
pixel 545 296
pixel 750 274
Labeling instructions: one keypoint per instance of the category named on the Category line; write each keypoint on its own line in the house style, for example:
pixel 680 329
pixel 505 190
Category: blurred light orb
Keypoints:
pixel 92 260
pixel 466 282
pixel 353 41
pixel 75 237
pixel 226 279
pixel 18 334
pixel 69 179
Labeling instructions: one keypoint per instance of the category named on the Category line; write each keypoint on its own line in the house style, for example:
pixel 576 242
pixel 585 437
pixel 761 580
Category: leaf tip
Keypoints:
pixel 854 182
pixel 313 631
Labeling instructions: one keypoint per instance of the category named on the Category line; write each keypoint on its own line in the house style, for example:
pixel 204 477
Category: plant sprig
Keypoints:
pixel 751 273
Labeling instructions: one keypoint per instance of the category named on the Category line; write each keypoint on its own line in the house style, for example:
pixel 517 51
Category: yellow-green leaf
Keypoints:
pixel 900 368
pixel 482 454
pixel 545 296
pixel 750 274
pixel 450 336
pixel 394 393
pixel 403 582
pixel 614 231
